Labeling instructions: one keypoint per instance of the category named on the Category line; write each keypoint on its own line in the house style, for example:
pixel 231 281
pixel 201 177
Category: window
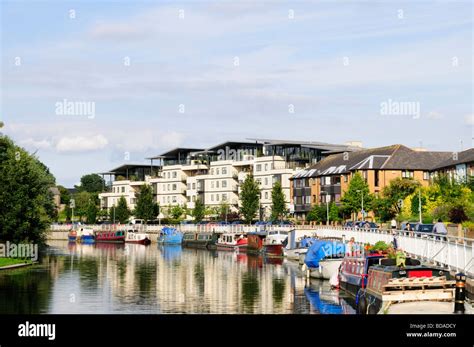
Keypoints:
pixel 217 171
pixel 194 185
pixel 224 184
pixel 217 197
pixel 346 178
pixel 212 197
pixel 189 185
pixel 123 189
pixel 174 198
pixel 338 197
pixel 194 198
pixel 426 175
pixel 266 195
pixel 224 171
pixel 169 187
pixel 174 187
pixel 169 175
pixel 224 197
pixel 266 167
pixel 266 181
pixel 175 174
pixel 212 171
pixel 407 174
pixel 217 184
pixel 258 168
pixel 212 184
pixel 314 199
pixel 376 178
pixel 168 199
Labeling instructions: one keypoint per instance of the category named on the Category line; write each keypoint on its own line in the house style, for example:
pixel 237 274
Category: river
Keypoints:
pixel 126 278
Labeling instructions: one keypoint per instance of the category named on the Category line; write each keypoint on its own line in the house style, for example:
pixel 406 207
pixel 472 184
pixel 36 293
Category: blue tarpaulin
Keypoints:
pixel 323 249
pixel 307 242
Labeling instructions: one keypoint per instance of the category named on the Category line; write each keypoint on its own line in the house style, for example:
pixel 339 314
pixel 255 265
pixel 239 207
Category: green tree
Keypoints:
pixel 145 205
pixel 91 212
pixel 26 203
pixel 383 209
pixel 316 214
pixel 398 190
pixel 122 212
pixel 250 199
pixel 199 211
pixel 91 183
pixel 176 211
pixel 224 210
pixel 279 210
pixel 65 195
pixel 82 200
pixel 358 189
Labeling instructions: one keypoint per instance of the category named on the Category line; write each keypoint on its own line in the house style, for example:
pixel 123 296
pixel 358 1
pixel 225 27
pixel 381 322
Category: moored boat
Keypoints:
pixel 232 242
pixel 273 242
pixel 298 249
pixel 324 258
pixel 85 235
pixel 189 238
pixel 255 241
pixel 407 289
pixel 72 236
pixel 117 236
pixel 170 236
pixel 133 236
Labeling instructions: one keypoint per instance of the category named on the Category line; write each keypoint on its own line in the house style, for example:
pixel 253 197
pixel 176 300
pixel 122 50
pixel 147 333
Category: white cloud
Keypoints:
pixel 81 143
pixel 36 144
pixel 469 119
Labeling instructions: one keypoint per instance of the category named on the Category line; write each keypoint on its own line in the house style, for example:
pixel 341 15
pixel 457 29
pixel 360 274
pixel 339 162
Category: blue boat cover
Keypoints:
pixel 323 249
pixel 307 242
pixel 169 231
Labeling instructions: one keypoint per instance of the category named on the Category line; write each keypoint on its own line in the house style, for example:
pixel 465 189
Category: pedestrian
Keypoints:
pixel 440 228
pixel 393 224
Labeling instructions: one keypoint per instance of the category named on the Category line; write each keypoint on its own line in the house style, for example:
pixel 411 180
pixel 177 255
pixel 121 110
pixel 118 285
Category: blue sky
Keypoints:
pixel 334 62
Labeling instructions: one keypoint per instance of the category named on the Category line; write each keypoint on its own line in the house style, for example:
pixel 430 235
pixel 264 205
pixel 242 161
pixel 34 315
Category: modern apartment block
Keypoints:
pixel 459 166
pixel 215 175
pixel 327 180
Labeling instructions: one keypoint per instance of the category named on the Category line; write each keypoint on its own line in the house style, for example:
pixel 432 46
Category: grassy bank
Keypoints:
pixel 13 261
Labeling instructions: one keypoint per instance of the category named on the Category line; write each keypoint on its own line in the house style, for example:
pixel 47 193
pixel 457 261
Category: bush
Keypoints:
pixel 457 214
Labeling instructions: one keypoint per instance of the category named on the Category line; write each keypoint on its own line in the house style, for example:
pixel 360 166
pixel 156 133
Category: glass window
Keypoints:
pixel 212 197
pixel 175 174
pixel 217 197
pixel 224 171
pixel 217 184
pixel 174 198
pixel 212 184
pixel 194 185
pixel 217 171
pixel 266 167
pixel 224 197
pixel 174 186
pixel 266 195
pixel 123 189
pixel 266 181
pixel 258 168
pixel 224 184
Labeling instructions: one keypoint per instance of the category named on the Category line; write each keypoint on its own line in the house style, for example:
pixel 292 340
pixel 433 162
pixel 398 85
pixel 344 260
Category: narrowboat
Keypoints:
pixel 406 289
pixel 117 236
pixel 85 235
pixel 133 236
pixel 72 236
pixel 232 242
pixel 170 236
pixel 324 258
pixel 200 240
pixel 273 243
pixel 255 241
pixel 354 269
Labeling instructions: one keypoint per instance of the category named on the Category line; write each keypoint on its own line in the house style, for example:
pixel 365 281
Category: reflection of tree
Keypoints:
pixel 278 290
pixel 146 276
pixel 250 291
pixel 88 270
pixel 199 277
pixel 26 290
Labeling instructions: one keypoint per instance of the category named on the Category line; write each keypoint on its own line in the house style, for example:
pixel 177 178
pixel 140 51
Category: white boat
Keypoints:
pixel 232 242
pixel 326 269
pixel 133 236
pixel 273 243
pixel 295 253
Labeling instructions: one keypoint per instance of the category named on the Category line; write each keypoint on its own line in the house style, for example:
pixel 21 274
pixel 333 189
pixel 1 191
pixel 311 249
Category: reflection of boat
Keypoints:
pixel 412 288
pixel 133 236
pixel 200 240
pixel 110 236
pixel 232 242
pixel 85 235
pixel 324 258
pixel 71 236
pixel 171 252
pixel 170 236
pixel 109 245
pixel 326 300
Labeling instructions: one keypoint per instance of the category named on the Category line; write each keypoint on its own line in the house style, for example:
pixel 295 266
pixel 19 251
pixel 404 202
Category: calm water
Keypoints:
pixel 109 278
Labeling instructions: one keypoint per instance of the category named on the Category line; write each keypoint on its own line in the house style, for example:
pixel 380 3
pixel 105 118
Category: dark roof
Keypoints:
pixel 234 144
pixel 395 157
pixel 175 151
pixel 326 147
pixel 125 167
pixel 463 157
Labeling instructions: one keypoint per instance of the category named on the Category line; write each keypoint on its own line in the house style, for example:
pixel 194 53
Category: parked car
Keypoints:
pixel 424 228
pixel 286 223
pixel 237 222
pixel 349 224
pixel 223 223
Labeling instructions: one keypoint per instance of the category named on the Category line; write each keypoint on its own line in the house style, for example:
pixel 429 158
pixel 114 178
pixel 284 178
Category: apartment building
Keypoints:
pixel 327 180
pixel 459 166
pixel 127 180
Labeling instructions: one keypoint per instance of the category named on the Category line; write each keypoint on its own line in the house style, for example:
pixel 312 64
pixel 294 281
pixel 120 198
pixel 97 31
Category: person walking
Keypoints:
pixel 440 228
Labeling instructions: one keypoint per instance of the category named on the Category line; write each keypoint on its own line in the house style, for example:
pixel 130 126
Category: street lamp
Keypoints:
pixel 362 197
pixel 327 208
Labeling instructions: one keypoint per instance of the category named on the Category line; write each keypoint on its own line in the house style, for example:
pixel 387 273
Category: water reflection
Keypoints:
pixel 132 278
pixel 326 300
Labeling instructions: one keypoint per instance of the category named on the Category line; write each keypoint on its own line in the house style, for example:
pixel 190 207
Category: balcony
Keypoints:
pixel 303 208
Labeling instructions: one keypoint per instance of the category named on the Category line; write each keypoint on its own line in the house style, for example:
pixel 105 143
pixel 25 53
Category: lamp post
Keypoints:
pixel 362 197
pixel 419 205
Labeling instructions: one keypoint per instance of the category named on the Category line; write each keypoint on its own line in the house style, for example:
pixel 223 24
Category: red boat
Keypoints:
pixel 232 242
pixel 110 236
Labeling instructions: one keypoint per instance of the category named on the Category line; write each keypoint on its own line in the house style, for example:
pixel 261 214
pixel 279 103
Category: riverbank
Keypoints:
pixel 12 263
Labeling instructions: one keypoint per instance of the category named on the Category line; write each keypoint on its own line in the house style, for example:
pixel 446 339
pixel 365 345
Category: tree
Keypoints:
pixel 122 212
pixel 82 200
pixel 383 209
pixel 399 189
pixel 223 210
pixel 250 198
pixel 279 210
pixel 316 214
pixel 26 203
pixel 176 211
pixel 145 205
pixel 91 212
pixel 92 183
pixel 65 195
pixel 199 211
pixel 358 189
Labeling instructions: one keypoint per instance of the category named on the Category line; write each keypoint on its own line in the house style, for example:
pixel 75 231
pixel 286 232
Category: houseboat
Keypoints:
pixel 206 240
pixel 232 242
pixel 354 269
pixel 133 236
pixel 72 236
pixel 299 249
pixel 170 236
pixel 117 236
pixel 255 241
pixel 410 288
pixel 324 258
pixel 85 235
pixel 273 243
